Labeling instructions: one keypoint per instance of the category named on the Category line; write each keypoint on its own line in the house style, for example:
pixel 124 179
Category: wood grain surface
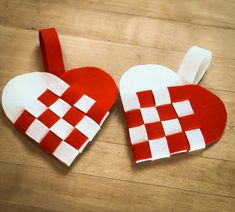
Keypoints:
pixel 116 35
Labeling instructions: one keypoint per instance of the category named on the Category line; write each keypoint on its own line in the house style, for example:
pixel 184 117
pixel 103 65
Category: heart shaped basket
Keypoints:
pixel 166 113
pixel 61 110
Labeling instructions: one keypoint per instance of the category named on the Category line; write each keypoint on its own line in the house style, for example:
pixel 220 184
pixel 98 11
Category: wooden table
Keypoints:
pixel 116 35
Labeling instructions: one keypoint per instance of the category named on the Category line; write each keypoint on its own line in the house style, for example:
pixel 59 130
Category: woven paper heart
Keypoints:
pixel 62 111
pixel 164 115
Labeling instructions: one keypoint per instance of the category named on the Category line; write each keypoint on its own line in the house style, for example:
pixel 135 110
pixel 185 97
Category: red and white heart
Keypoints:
pixel 62 113
pixel 164 115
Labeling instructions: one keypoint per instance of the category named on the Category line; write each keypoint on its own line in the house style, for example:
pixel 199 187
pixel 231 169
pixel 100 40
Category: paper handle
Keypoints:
pixel 51 51
pixel 195 64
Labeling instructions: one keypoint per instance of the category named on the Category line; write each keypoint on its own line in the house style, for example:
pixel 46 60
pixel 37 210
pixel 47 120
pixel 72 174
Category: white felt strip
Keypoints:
pixel 65 153
pixel 183 108
pixel 84 103
pixel 37 131
pixel 161 96
pixel 138 134
pixel 58 88
pixel 174 153
pixel 88 127
pixel 195 139
pixel 130 102
pixel 194 65
pixel 147 159
pixel 104 118
pixel 36 108
pixel 171 126
pixel 60 107
pixel 149 115
pixel 62 128
pixel 159 148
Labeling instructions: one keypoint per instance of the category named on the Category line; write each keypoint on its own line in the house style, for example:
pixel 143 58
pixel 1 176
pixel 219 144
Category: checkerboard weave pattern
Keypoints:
pixel 159 127
pixel 62 120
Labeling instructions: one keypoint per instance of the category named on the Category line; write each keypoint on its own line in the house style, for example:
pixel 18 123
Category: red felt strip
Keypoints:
pixel 95 83
pixel 146 98
pixel 134 118
pixel 141 151
pixel 51 51
pixel 73 116
pixel 48 118
pixel 24 121
pixel 177 142
pixel 48 98
pixel 76 139
pixel 189 122
pixel 97 112
pixel 208 108
pixel 72 94
pixel 50 142
pixel 166 112
pixel 154 130
pixel 178 94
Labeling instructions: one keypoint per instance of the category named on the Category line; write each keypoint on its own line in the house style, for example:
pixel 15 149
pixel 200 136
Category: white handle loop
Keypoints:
pixel 195 64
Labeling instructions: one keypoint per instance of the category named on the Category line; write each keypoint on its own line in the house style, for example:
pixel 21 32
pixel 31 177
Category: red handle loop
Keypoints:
pixel 51 51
